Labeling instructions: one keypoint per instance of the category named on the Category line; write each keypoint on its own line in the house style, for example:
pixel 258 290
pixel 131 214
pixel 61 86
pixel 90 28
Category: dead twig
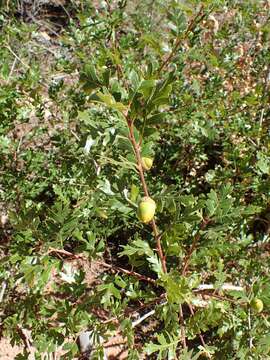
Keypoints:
pixel 17 57
pixel 182 326
pixel 63 252
pixel 12 69
pixel 129 272
pixel 228 287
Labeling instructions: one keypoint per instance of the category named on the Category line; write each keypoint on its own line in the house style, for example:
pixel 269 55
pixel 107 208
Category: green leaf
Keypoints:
pixel 263 163
pixel 212 203
pixel 264 344
pixel 156 118
pixel 176 287
pixel 134 192
pixel 110 102
pixel 166 345
pixel 89 77
pixel 138 247
pixel 134 79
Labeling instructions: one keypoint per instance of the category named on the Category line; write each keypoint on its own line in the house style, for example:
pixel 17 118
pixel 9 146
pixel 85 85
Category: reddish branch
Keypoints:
pixel 136 147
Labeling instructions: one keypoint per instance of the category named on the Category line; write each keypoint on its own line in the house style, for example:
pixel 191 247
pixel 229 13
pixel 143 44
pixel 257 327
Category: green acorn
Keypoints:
pixel 256 305
pixel 146 209
pixel 147 163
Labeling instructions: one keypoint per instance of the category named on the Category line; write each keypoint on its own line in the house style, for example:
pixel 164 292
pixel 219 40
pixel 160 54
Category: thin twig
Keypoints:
pixel 250 340
pixel 2 291
pixel 17 57
pixel 224 298
pixel 142 318
pixel 128 272
pixel 179 39
pixel 129 312
pixel 109 7
pixel 159 247
pixel 182 325
pixel 138 156
pixel 64 252
pixel 200 335
pixel 12 69
pixel 193 246
pixel 42 23
pixel 261 123
pixel 263 102
pixel 116 268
